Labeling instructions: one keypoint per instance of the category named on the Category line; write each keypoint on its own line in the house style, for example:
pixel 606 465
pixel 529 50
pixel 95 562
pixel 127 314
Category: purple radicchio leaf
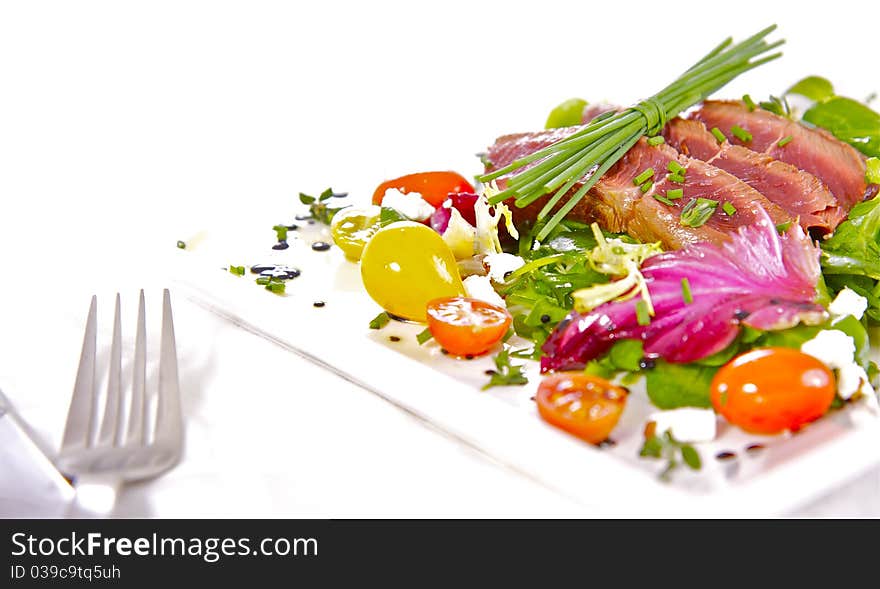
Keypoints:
pixel 758 278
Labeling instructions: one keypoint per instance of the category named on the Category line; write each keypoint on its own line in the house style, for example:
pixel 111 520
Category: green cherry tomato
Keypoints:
pixel 353 227
pixel 405 265
pixel 567 114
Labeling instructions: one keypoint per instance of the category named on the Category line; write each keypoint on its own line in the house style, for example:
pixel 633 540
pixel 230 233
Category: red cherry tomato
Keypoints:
pixel 581 404
pixel 770 390
pixel 433 186
pixel 466 327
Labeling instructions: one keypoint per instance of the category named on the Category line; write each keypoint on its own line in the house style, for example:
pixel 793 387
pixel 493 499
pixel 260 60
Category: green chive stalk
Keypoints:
pixel 592 150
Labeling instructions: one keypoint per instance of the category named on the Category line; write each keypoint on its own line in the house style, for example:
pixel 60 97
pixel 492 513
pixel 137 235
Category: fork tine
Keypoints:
pixel 110 422
pixel 169 426
pixel 79 415
pixel 138 415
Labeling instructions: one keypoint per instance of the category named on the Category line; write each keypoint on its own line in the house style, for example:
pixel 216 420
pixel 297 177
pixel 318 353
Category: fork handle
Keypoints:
pixel 95 498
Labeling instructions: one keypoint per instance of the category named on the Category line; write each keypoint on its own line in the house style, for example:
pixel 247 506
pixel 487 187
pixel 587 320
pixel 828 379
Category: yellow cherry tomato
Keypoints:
pixel 405 265
pixel 353 227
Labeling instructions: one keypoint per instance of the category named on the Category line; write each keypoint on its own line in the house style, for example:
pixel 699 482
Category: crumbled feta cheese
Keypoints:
pixel 411 205
pixel 848 302
pixel 833 347
pixel 687 424
pixel 480 287
pixel 850 380
pixel 837 350
pixel 500 264
pixel 460 236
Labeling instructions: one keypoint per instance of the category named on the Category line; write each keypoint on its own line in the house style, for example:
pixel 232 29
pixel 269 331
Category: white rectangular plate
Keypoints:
pixel 502 422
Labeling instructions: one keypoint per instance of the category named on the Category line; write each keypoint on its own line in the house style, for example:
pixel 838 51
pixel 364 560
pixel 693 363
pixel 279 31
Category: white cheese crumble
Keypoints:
pixel 500 264
pixel 460 236
pixel 687 424
pixel 480 287
pixel 848 302
pixel 411 205
pixel 837 351
pixel 833 347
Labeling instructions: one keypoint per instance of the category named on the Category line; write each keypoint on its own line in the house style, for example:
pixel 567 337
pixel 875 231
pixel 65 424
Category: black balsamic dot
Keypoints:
pixel 740 314
pixel 754 448
pixel 507 274
pixel 303 217
pixel 444 351
pixel 607 443
pixel 394 338
pixel 532 398
pixel 340 194
pixel 320 246
pixel 318 304
pixel 279 271
pixel 647 363
pixel 545 318
pixel 725 455
pixel 281 245
pixel 469 357
pixel 311 221
pixel 490 372
pixel 292 227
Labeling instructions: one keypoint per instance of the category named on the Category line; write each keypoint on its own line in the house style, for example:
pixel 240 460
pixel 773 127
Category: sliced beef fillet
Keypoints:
pixel 840 166
pixel 618 205
pixel 798 192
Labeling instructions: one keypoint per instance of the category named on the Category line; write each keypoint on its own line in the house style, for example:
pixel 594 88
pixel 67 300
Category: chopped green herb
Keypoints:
pixel 718 135
pixel 646 186
pixel 729 209
pixel 505 373
pixel 872 170
pixel 741 133
pixel 237 270
pixel 675 167
pixel 641 178
pixel 276 286
pixel 380 320
pixel 778 106
pixel 664 200
pixel 424 336
pixel 656 140
pixel 280 232
pixel 749 102
pixel 686 291
pixel 263 280
pixel 667 447
pixel 676 178
pixel 785 141
pixel 783 227
pixel 675 193
pixel 319 209
pixel 181 244
pixel 642 315
pixel 697 212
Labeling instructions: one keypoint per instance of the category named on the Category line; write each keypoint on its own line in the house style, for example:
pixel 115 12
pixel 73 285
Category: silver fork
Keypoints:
pixel 100 456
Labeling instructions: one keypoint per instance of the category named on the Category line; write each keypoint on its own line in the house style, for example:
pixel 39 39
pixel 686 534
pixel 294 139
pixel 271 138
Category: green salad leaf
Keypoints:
pixel 851 257
pixel 815 88
pixel 679 385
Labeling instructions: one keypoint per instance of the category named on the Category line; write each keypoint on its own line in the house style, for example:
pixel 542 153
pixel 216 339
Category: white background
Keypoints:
pixel 126 126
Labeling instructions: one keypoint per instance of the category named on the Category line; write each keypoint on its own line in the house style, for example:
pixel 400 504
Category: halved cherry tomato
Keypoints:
pixel 581 404
pixel 770 390
pixel 433 186
pixel 465 326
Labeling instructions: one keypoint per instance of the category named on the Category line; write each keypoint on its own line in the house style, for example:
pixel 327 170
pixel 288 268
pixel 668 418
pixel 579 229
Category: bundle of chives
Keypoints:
pixel 593 149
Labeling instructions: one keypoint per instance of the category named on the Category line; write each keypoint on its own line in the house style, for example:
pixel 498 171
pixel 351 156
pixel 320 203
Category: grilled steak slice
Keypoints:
pixel 840 166
pixel 618 205
pixel 798 192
